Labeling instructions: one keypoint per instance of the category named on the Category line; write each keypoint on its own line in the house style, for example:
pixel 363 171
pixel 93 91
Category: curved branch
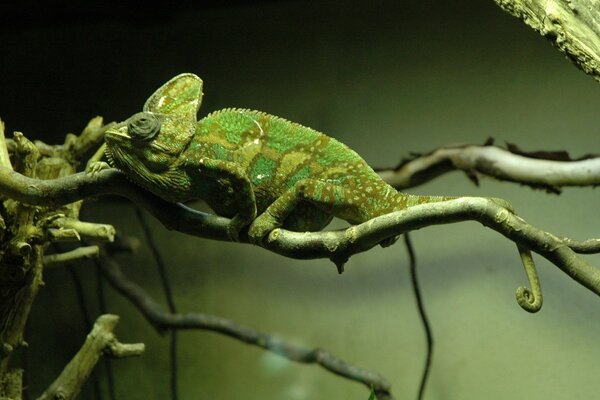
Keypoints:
pixel 537 170
pixel 338 246
pixel 358 238
pixel 162 319
pixel 590 246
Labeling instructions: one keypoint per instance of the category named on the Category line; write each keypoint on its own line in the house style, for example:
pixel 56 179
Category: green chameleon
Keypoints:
pixel 260 170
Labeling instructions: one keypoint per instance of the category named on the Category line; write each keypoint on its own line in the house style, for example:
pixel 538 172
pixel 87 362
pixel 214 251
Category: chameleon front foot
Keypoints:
pixel 261 227
pixel 96 166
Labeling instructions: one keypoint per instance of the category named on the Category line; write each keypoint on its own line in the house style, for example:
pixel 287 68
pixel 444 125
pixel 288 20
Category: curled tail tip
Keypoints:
pixel 528 300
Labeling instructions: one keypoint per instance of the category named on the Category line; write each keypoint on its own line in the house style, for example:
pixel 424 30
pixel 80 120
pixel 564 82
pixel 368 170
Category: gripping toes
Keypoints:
pixel 261 226
pixel 95 167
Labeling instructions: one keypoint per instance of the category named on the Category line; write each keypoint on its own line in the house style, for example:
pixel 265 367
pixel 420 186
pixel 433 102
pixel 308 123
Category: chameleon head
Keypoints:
pixel 148 146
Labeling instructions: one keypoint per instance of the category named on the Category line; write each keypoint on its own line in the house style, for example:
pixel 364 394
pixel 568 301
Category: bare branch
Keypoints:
pixel 100 340
pixel 338 246
pixel 85 230
pixel 162 319
pixel 358 238
pixel 590 246
pixel 91 136
pixel 571 25
pixel 506 165
pixel 80 253
pixel 4 158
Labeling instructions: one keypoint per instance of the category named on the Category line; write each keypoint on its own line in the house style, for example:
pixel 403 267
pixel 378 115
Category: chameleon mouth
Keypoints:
pixel 116 136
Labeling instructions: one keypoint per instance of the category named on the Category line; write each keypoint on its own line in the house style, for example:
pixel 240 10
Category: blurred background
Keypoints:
pixel 388 78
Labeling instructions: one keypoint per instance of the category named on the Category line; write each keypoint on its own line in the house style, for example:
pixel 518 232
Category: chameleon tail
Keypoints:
pixel 405 200
pixel 413 199
pixel 529 299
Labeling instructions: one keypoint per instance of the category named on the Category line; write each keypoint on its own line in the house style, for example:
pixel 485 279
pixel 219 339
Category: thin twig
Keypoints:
pixel 77 254
pixel 162 319
pixel 80 294
pixel 422 314
pixel 550 171
pixel 103 310
pixel 87 322
pixel 164 279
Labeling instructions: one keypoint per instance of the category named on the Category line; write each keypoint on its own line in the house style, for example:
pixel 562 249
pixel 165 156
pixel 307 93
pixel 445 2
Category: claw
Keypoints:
pixel 96 166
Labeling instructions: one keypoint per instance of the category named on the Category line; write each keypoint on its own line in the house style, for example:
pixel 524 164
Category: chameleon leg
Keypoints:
pixel 239 189
pixel 333 199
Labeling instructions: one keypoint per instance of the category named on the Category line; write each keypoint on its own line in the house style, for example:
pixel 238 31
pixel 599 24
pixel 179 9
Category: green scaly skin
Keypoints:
pixel 260 170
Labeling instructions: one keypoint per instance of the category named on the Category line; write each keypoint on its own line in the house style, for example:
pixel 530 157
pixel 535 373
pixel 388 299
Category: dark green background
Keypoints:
pixel 387 78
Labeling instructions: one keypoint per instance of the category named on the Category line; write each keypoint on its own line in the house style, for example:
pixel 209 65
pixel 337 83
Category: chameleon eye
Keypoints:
pixel 143 126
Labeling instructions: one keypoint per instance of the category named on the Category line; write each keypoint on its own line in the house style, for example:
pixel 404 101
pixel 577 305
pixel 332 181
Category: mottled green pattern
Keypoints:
pixel 261 170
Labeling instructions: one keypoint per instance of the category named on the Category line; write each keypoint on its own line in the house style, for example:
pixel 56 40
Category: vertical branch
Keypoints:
pixel 20 266
pixel 422 314
pixel 4 158
pixel 103 310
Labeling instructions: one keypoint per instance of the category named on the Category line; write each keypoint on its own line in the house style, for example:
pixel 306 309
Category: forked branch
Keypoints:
pixel 101 340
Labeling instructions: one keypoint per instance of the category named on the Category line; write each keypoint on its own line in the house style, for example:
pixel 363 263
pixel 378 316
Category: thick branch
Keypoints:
pixel 100 340
pixel 162 319
pixel 571 25
pixel 362 237
pixel 335 245
pixel 547 170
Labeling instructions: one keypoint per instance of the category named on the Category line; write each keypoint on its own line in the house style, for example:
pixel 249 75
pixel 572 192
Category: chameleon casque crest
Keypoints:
pixel 260 170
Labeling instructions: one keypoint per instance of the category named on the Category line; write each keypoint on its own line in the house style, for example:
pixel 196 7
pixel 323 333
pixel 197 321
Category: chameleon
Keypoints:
pixel 261 171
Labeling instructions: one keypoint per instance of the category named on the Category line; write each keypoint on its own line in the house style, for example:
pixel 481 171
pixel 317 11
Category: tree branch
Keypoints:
pixel 338 246
pixel 162 320
pixel 573 26
pixel 546 170
pixel 80 253
pixel 100 340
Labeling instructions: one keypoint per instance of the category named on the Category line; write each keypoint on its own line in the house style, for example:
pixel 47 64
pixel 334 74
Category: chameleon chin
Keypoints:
pixel 260 170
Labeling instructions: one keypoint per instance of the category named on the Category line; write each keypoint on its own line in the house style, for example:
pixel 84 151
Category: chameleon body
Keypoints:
pixel 260 170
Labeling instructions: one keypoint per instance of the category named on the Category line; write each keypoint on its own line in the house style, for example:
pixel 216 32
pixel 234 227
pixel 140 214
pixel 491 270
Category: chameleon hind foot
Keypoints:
pixel 95 167
pixel 261 227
